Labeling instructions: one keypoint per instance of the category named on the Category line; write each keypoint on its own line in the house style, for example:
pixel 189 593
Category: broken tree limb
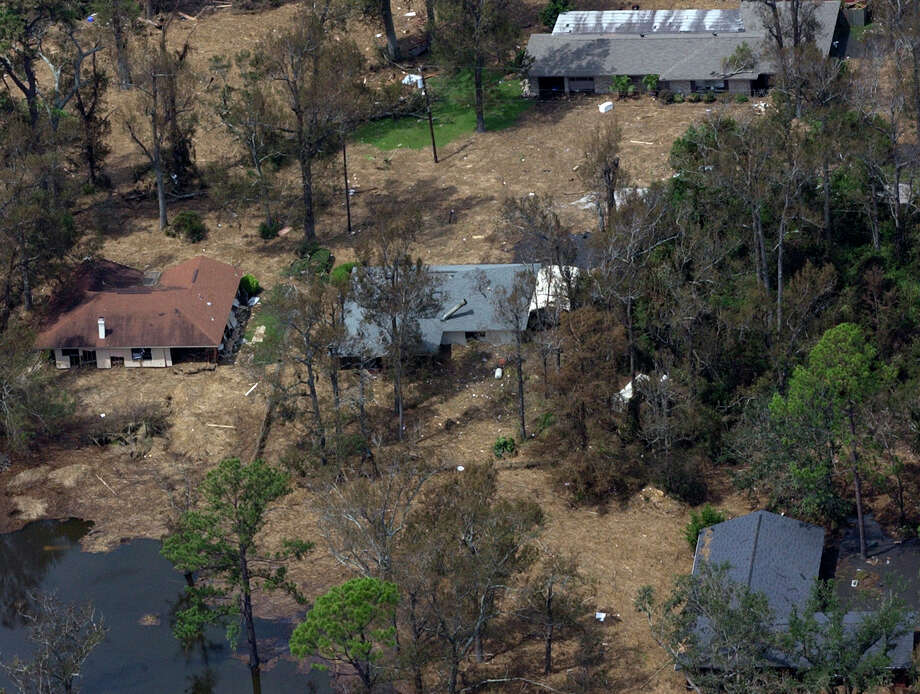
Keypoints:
pixel 106 484
pixel 220 426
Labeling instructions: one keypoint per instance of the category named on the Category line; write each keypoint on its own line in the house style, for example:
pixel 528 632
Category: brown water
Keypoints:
pixel 125 586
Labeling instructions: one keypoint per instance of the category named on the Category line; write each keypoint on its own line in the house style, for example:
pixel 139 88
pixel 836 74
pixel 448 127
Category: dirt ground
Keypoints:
pixel 211 417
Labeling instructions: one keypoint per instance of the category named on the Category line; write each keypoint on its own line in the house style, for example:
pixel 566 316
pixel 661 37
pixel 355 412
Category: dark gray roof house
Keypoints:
pixel 687 49
pixel 779 557
pixel 474 286
pixel 771 554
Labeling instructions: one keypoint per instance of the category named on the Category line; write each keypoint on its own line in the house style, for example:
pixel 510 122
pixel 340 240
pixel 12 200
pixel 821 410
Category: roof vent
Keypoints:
pixel 101 324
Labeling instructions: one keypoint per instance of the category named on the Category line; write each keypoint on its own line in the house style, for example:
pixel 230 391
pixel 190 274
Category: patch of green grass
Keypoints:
pixel 266 351
pixel 453 113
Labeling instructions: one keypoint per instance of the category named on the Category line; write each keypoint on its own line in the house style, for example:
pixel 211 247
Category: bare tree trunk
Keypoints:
pixel 520 380
pixel 761 252
pixel 392 41
pixel 779 278
pixel 122 62
pixel 857 484
pixel 398 395
pixel 317 415
pixel 246 607
pixel 306 179
pixel 478 89
pixel 347 191
pixel 548 634
pixel 336 395
pixel 26 272
pixel 827 202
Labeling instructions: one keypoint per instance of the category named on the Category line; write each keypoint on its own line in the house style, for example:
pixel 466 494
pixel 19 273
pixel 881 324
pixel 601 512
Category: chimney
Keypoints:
pixel 453 310
pixel 101 322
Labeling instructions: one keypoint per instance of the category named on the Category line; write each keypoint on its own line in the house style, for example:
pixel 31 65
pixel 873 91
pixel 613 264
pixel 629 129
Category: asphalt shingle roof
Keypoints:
pixel 455 283
pixel 671 52
pixel 772 554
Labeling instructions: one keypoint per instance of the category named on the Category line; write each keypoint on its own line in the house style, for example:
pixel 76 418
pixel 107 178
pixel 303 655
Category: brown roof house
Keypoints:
pixel 114 315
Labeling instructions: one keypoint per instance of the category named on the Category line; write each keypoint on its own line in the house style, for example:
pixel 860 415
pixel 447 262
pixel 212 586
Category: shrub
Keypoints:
pixel 269 230
pixel 596 477
pixel 621 84
pixel 709 98
pixel 678 98
pixel 631 90
pixel 545 421
pixel 190 226
pixel 699 521
pixel 250 285
pixel 341 274
pixel 650 82
pixel 504 445
pixel 684 481
pixel 742 99
pixel 552 10
pixel 319 261
pixel 694 98
pixel 666 96
pixel 322 260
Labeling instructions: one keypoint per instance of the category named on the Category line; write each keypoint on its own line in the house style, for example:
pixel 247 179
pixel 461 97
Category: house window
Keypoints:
pixel 141 353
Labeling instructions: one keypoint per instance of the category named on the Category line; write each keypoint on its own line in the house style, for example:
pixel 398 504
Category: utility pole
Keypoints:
pixel 434 148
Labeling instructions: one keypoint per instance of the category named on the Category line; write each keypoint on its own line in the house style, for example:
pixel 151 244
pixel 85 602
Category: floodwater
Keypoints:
pixel 130 586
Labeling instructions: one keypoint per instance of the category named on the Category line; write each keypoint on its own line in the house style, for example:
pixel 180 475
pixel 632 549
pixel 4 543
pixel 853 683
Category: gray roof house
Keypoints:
pixel 779 557
pixel 473 286
pixel 687 49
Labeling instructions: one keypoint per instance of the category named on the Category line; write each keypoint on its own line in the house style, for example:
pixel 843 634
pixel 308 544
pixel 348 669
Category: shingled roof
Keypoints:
pixel 771 554
pixel 188 307
pixel 454 283
pixel 677 45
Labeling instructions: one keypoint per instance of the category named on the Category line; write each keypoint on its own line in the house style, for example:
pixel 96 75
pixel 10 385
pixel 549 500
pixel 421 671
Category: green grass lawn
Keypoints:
pixel 453 113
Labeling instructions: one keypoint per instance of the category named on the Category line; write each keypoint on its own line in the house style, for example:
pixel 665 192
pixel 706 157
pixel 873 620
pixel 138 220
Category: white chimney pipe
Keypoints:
pixel 101 328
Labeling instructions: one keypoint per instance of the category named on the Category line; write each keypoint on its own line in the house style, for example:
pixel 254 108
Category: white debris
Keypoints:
pixel 460 468
pixel 253 301
pixel 605 107
pixel 377 35
pixel 600 616
pixel 259 334
pixel 102 414
pixel 410 14
pixel 413 79
pixel 498 372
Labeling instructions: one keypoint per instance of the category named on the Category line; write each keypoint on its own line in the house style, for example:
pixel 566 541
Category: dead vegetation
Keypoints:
pixel 163 429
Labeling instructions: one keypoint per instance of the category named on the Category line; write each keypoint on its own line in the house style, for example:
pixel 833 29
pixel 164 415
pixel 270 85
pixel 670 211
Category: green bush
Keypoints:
pixel 318 262
pixel 269 230
pixel 621 84
pixel 650 82
pixel 678 98
pixel 504 445
pixel 694 98
pixel 631 90
pixel 742 99
pixel 250 285
pixel 709 98
pixel 190 226
pixel 341 274
pixel 552 10
pixel 545 421
pixel 699 521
